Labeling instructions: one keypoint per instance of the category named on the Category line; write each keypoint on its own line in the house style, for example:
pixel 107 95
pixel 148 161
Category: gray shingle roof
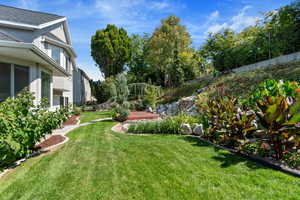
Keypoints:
pixel 19 15
pixel 6 37
pixel 50 35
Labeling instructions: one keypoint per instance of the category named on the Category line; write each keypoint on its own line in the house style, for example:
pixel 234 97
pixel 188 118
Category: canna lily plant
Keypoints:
pixel 280 118
pixel 229 124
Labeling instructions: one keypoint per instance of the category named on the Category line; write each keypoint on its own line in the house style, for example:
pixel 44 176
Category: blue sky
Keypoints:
pixel 139 16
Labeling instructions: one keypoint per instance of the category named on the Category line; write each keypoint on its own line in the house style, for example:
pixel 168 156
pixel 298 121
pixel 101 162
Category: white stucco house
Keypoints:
pixel 82 92
pixel 36 52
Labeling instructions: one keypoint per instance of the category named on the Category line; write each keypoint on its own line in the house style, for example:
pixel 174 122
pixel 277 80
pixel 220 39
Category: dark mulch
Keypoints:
pixel 71 121
pixel 53 140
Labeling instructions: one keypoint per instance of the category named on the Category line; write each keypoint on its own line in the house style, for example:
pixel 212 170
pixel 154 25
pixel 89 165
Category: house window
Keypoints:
pixel 68 63
pixel 13 79
pixel 21 78
pixel 55 53
pixel 46 81
pixel 5 81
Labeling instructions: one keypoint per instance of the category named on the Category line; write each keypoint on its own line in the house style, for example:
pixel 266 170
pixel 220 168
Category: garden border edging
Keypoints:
pixel 260 160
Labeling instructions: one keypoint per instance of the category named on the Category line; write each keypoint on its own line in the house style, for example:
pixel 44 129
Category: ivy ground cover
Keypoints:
pixel 99 164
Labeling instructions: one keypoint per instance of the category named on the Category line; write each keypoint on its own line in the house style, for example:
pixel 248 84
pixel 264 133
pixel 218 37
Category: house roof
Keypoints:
pixel 22 16
pixel 52 36
pixel 6 37
pixel 84 74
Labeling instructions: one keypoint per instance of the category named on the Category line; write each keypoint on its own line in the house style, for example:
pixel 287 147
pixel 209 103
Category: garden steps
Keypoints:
pixel 142 116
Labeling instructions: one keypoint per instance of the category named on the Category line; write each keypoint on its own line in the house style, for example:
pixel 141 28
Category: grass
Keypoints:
pixel 237 84
pixel 187 89
pixel 99 164
pixel 90 116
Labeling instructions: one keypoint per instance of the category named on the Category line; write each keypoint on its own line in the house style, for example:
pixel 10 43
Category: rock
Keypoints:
pixel 172 109
pixel 198 130
pixel 186 129
pixel 201 90
pixel 149 109
pixel 126 127
pixel 161 108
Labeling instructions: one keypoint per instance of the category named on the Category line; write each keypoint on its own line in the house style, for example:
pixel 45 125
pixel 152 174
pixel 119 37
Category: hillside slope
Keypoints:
pixel 237 84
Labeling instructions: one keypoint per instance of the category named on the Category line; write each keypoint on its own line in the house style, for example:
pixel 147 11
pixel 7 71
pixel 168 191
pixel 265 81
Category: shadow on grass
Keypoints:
pixel 226 158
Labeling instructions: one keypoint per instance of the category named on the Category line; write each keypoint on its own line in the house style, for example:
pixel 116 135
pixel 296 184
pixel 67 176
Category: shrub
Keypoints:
pixel 228 123
pixel 122 91
pixel 151 97
pixel 76 111
pixel 292 159
pixel 137 105
pixel 272 88
pixel 120 114
pixel 169 125
pixel 22 125
pixel 280 118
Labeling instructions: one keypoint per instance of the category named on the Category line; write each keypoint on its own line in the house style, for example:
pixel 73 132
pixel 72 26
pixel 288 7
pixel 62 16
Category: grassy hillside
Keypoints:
pixel 237 84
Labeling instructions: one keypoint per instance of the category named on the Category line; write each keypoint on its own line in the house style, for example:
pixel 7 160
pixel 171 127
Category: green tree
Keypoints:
pixel 164 49
pixel 111 49
pixel 122 91
pixel 278 33
pixel 138 70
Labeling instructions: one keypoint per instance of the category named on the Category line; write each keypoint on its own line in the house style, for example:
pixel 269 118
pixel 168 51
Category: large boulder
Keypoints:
pixel 186 129
pixel 172 109
pixel 198 130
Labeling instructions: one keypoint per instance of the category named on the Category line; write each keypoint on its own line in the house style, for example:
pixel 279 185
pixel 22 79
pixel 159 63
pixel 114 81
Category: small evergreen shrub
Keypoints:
pixel 120 114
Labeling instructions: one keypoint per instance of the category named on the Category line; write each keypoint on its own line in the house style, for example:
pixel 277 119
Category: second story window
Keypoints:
pixel 55 53
pixel 68 64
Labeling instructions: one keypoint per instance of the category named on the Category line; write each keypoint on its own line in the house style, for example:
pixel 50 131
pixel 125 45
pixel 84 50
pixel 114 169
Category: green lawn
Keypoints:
pixel 89 116
pixel 99 164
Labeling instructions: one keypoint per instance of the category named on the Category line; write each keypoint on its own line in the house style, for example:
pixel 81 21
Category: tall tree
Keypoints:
pixel 139 70
pixel 165 47
pixel 111 49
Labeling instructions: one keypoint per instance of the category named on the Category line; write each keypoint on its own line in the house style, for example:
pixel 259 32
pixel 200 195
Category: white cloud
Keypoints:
pixel 236 23
pixel 216 28
pixel 214 16
pixel 197 30
pixel 159 5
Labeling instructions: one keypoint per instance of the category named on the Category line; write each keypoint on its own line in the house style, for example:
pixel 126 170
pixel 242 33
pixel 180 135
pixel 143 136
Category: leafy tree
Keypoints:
pixel 103 90
pixel 219 48
pixel 278 33
pixel 111 49
pixel 164 50
pixel 138 69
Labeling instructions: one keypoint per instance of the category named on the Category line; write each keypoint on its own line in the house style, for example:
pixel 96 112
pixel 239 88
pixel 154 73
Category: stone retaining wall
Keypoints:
pixel 266 63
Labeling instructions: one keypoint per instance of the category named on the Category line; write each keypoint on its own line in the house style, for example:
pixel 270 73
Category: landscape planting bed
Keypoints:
pixel 53 140
pixel 142 116
pixel 73 120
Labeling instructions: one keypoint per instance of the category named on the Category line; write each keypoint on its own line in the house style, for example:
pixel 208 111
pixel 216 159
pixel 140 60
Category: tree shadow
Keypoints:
pixel 225 157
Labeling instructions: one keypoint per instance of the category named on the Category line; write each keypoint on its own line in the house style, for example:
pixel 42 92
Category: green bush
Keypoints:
pixel 22 125
pixel 151 97
pixel 137 105
pixel 169 125
pixel 273 88
pixel 120 114
pixel 228 123
pixel 76 111
pixel 292 159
